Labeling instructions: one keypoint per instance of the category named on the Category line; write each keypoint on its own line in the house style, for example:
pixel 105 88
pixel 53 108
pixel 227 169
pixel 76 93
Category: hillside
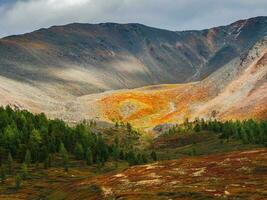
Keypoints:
pixel 62 70
pixel 235 175
pixel 235 91
pixel 48 159
pixel 90 58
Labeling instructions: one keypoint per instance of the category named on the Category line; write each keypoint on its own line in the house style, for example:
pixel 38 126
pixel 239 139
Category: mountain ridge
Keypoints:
pixel 57 68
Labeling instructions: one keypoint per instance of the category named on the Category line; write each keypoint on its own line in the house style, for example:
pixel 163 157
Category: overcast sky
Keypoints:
pixel 20 16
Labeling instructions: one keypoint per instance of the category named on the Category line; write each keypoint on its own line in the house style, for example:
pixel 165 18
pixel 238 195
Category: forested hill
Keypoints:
pixel 46 156
pixel 23 134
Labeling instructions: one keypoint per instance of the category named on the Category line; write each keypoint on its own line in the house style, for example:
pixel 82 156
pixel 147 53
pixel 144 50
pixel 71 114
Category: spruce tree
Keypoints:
pixel 10 163
pixel 28 158
pixel 144 158
pixel 2 174
pixel 66 161
pixel 78 151
pixel 18 180
pixel 115 152
pixel 64 156
pixel 154 156
pixel 24 171
pixel 48 161
pixel 122 156
pixel 89 157
pixel 197 127
pixel 131 158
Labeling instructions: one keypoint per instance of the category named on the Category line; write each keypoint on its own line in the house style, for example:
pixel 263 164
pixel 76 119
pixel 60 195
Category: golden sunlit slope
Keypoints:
pixel 236 91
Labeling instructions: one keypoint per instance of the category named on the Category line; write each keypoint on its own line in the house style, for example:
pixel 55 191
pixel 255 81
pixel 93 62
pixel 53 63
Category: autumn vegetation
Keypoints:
pixel 32 144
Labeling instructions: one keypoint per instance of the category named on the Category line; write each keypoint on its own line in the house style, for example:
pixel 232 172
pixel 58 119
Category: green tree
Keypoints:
pixel 197 127
pixel 10 163
pixel 64 156
pixel 144 158
pixel 154 156
pixel 48 161
pixel 89 157
pixel 78 151
pixel 2 174
pixel 28 158
pixel 18 180
pixel 122 155
pixel 129 127
pixel 24 171
pixel 10 138
pixel 2 152
pixel 98 164
pixel 193 151
pixel 131 158
pixel 115 152
pixel 116 124
pixel 34 143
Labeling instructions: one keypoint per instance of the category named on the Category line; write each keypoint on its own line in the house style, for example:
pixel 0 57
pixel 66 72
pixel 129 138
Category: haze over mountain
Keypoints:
pixel 54 70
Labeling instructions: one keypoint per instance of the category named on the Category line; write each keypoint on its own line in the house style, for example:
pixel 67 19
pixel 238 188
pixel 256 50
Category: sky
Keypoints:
pixel 21 16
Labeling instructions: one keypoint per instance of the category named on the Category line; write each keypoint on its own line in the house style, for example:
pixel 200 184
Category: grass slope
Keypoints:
pixel 196 166
pixel 236 175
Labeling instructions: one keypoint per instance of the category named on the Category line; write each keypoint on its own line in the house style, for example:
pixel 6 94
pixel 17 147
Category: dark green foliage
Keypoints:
pixel 64 156
pixel 48 161
pixel 134 158
pixel 197 127
pixel 194 151
pixel 144 159
pixel 89 157
pixel 248 131
pixel 28 158
pixel 24 171
pixel 18 180
pixel 79 152
pixel 122 155
pixel 154 156
pixel 115 149
pixel 10 163
pixel 131 158
pixel 2 174
pixel 30 138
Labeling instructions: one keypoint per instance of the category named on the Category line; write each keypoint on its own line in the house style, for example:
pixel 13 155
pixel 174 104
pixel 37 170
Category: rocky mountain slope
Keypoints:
pixel 222 72
pixel 235 91
pixel 88 58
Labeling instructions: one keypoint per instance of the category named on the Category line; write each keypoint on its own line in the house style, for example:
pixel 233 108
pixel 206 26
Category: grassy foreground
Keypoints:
pixel 235 175
pixel 197 166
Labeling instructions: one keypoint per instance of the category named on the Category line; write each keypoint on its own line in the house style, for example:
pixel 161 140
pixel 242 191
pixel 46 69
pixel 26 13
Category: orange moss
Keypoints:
pixel 154 105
